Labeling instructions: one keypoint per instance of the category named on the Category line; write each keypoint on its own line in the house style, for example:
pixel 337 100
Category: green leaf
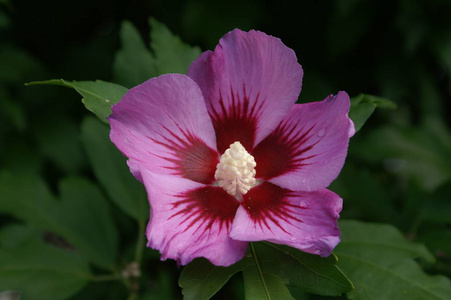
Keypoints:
pixel 173 56
pixel 39 270
pixel 58 139
pixel 421 152
pixel 311 273
pixel 380 263
pixel 376 240
pixel 363 193
pixel 438 207
pixel 85 221
pixel 82 218
pixel 268 270
pixel 297 293
pixel 260 285
pixel 134 63
pixel 98 96
pixel 201 279
pixel 111 170
pixel 27 198
pixel 364 105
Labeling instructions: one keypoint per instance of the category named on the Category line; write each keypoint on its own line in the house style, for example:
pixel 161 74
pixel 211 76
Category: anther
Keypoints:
pixel 235 172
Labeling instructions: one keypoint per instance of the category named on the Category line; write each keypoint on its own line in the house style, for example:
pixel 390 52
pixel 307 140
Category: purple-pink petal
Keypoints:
pixel 174 128
pixel 308 148
pixel 249 82
pixel 303 220
pixel 190 220
pixel 162 125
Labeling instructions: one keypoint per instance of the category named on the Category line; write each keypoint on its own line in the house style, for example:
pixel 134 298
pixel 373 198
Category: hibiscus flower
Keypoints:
pixel 228 158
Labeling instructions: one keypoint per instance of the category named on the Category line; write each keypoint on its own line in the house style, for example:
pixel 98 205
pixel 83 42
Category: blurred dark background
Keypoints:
pixel 389 48
pixel 400 50
pixel 398 170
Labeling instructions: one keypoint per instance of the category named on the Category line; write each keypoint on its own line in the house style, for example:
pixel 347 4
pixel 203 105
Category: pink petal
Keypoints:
pixel 308 148
pixel 303 220
pixel 134 169
pixel 190 220
pixel 163 125
pixel 249 82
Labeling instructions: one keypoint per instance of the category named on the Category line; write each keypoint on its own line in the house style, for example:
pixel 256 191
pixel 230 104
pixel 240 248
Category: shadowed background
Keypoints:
pixel 398 170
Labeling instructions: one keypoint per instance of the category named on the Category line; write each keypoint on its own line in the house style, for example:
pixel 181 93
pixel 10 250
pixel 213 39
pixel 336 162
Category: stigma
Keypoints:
pixel 235 172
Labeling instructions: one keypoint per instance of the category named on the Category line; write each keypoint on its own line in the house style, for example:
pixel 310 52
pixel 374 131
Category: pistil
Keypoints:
pixel 235 172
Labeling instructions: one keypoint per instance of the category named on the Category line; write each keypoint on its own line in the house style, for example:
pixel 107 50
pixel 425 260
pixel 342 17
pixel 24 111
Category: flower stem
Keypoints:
pixel 140 244
pixel 133 283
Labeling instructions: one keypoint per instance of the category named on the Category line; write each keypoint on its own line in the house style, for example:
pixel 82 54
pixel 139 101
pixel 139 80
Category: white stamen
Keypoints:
pixel 235 172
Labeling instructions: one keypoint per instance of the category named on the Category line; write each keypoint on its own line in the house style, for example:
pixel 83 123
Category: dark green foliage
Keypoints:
pixel 72 217
pixel 39 270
